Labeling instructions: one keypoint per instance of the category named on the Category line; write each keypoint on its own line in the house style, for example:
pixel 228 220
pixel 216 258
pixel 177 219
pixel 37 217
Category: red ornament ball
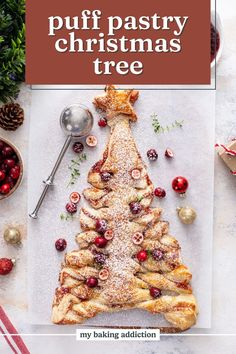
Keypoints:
pixel 6 266
pixel 180 184
pixel 142 256
pixel 91 282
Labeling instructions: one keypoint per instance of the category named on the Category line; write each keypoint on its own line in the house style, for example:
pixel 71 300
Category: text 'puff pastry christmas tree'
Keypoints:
pixel 126 258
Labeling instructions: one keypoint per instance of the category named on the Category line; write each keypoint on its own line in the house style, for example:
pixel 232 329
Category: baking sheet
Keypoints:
pixel 193 146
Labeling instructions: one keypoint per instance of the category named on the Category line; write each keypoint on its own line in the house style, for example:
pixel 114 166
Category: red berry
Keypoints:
pixel 137 238
pixel 1 145
pixel 155 292
pixel 5 188
pixel 71 208
pixel 103 274
pixel 78 147
pixel 106 176
pixel 180 184
pixel 142 256
pixel 61 244
pixel 135 207
pixel 6 266
pixel 157 255
pixel 102 122
pixel 14 172
pixel 169 153
pixel 91 282
pixel 7 151
pixel 160 192
pixel 2 175
pixel 9 163
pixel 100 258
pixel 101 226
pixel 10 181
pixel 100 242
pixel 152 154
pixel 109 235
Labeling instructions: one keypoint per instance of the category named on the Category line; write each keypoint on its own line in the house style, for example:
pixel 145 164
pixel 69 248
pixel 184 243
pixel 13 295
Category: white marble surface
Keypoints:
pixel 13 288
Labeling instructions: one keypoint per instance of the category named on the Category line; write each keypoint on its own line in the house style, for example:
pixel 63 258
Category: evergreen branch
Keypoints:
pixel 158 128
pixel 74 169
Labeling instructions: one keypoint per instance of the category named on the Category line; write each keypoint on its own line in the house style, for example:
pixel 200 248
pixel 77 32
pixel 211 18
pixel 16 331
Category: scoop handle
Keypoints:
pixel 50 179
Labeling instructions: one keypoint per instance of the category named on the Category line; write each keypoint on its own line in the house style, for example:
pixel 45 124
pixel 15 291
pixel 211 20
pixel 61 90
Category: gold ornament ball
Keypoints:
pixel 187 215
pixel 12 235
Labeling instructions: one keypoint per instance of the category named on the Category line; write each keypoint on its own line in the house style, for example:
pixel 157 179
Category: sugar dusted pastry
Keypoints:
pixel 126 257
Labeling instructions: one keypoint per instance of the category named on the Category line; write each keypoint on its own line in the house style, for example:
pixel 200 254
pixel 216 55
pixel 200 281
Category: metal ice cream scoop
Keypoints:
pixel 76 122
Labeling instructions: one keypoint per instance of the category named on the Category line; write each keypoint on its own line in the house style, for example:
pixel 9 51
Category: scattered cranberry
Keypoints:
pixel 135 207
pixel 137 238
pixel 7 151
pixel 102 122
pixel 78 147
pixel 14 172
pixel 157 255
pixel 169 153
pixel 91 141
pixel 152 154
pixel 92 282
pixel 155 292
pixel 136 173
pixel 6 266
pixel 71 208
pixel 61 244
pixel 2 175
pixel 101 226
pixel 108 234
pixel 142 256
pixel 75 197
pixel 5 188
pixel 100 258
pixel 100 242
pixel 103 274
pixel 160 192
pixel 10 181
pixel 105 176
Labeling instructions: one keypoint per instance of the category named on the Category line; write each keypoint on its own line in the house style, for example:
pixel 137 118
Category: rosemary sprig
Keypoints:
pixel 66 217
pixel 74 169
pixel 158 128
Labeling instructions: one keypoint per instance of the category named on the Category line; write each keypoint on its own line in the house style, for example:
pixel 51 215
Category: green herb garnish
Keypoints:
pixel 74 168
pixel 158 128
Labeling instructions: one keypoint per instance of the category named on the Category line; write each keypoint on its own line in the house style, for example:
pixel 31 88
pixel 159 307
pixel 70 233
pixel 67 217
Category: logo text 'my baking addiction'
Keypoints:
pixel 116 34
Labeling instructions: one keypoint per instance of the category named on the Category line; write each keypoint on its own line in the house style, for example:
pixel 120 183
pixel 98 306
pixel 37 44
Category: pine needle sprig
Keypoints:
pixel 74 168
pixel 158 128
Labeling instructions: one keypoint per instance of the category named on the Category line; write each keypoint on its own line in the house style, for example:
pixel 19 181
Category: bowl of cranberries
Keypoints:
pixel 11 168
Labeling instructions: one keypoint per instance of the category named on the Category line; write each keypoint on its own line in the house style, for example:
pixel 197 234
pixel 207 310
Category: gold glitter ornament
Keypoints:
pixel 187 215
pixel 12 235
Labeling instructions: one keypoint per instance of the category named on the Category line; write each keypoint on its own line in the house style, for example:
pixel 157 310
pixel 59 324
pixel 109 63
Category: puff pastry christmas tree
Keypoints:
pixel 126 258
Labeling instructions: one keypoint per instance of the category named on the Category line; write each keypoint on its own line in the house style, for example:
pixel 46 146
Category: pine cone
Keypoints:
pixel 11 116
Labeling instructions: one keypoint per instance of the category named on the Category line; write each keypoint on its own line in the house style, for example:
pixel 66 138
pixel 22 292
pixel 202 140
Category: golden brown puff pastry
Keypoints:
pixel 126 257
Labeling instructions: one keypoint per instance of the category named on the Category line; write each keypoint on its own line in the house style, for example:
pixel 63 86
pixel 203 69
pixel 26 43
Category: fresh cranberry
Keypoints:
pixel 101 226
pixel 152 154
pixel 160 192
pixel 102 122
pixel 169 153
pixel 10 180
pixel 155 292
pixel 2 175
pixel 142 256
pixel 7 151
pixel 100 242
pixel 135 207
pixel 14 172
pixel 100 258
pixel 105 176
pixel 5 188
pixel 71 208
pixel 9 163
pixel 78 147
pixel 1 145
pixel 92 282
pixel 157 255
pixel 3 168
pixel 61 244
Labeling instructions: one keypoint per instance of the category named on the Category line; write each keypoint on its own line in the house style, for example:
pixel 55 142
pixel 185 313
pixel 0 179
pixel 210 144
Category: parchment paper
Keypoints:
pixel 193 146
